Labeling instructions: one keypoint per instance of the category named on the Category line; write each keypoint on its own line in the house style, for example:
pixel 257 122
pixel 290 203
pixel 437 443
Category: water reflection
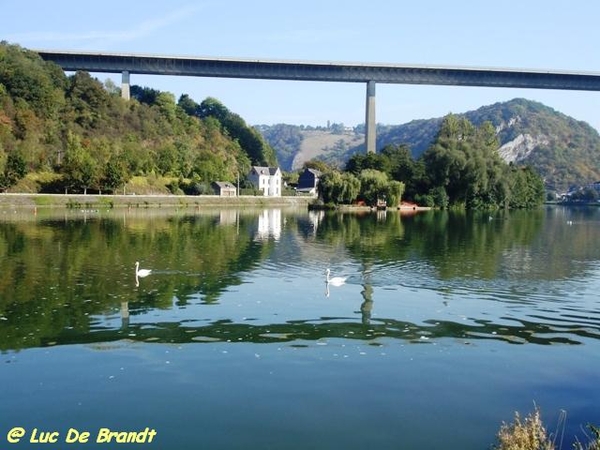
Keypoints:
pixel 526 277
pixel 373 331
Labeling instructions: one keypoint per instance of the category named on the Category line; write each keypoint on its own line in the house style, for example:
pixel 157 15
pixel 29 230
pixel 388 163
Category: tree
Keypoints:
pixel 188 105
pixel 526 189
pixel 79 168
pixel 393 193
pixel 373 185
pixel 211 107
pixel 166 160
pixel 144 94
pixel 259 152
pixel 464 168
pixel 87 98
pixel 316 164
pixel 15 169
pixel 115 173
pixel 167 106
pixel 335 187
pixel 351 187
pixel 402 165
pixel 376 161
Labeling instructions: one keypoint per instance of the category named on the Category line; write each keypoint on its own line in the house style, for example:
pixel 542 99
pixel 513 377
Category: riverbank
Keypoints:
pixel 78 201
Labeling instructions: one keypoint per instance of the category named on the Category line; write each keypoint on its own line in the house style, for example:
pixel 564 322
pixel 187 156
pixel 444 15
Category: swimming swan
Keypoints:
pixel 141 272
pixel 335 281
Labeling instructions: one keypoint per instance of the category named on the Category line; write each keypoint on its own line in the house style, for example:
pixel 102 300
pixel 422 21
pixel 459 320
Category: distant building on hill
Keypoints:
pixel 267 180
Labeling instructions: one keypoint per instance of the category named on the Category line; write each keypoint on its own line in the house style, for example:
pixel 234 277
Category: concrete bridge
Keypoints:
pixel 370 74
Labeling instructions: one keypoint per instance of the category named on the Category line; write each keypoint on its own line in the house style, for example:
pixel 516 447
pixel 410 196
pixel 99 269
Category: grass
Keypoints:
pixel 148 185
pixel 43 200
pixel 531 434
pixel 524 434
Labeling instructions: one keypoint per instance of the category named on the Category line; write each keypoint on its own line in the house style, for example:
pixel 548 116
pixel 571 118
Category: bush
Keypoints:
pixel 528 434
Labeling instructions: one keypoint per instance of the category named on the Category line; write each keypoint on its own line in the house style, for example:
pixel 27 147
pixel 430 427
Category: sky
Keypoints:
pixel 526 34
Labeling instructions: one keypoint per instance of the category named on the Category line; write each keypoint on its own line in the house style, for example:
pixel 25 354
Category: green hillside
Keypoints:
pixel 562 150
pixel 73 133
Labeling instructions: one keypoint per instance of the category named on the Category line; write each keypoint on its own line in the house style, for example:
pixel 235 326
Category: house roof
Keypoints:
pixel 224 184
pixel 315 172
pixel 260 170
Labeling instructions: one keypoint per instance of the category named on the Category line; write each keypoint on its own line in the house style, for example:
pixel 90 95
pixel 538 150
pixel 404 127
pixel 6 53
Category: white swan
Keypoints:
pixel 335 281
pixel 141 272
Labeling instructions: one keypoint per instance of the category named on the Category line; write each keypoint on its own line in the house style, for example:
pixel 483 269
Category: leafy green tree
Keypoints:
pixel 28 78
pixel 351 188
pixel 115 173
pixel 337 188
pixel 259 152
pixel 87 98
pixel 15 168
pixel 394 192
pixel 464 168
pixel 144 95
pixel 190 107
pixel 321 166
pixel 166 159
pixel 211 107
pixel 165 101
pixel 402 165
pixel 79 168
pixel 376 161
pixel 439 197
pixel 526 189
pixel 373 185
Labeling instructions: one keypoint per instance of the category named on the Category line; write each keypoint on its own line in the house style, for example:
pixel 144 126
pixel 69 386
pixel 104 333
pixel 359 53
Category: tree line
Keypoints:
pixel 62 133
pixel 74 133
pixel 462 168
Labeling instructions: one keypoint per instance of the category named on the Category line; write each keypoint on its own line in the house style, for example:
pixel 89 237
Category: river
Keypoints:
pixel 446 324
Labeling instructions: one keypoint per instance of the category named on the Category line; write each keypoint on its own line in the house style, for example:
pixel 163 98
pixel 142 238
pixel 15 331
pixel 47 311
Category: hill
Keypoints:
pixel 62 133
pixel 562 150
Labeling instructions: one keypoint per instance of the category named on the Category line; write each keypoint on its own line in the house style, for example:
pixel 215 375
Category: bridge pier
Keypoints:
pixel 370 124
pixel 125 93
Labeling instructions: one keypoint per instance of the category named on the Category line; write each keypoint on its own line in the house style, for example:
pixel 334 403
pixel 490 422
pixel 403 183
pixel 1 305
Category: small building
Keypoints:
pixel 308 181
pixel 224 189
pixel 267 180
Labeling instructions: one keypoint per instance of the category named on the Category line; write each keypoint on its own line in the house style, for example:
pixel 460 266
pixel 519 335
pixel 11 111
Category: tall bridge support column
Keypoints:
pixel 125 93
pixel 370 124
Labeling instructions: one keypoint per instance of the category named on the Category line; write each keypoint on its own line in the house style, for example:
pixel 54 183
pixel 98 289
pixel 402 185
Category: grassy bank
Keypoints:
pixel 78 201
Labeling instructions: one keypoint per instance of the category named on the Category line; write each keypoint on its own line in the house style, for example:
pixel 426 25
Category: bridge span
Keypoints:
pixel 370 74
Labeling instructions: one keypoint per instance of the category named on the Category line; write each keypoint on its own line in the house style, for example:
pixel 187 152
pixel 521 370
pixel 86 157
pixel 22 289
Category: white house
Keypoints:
pixel 266 179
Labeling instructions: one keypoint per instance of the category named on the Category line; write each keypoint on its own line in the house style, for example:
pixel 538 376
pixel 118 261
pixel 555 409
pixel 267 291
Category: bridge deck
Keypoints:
pixel 323 71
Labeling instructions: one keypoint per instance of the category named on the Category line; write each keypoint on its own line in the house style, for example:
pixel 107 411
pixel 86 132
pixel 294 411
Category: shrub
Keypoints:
pixel 528 434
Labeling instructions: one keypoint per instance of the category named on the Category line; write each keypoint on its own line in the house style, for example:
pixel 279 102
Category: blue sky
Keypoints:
pixel 533 34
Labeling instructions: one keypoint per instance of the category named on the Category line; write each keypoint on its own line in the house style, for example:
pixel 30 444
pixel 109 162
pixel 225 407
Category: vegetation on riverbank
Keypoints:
pixel 461 169
pixel 530 433
pixel 563 150
pixel 36 202
pixel 74 134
